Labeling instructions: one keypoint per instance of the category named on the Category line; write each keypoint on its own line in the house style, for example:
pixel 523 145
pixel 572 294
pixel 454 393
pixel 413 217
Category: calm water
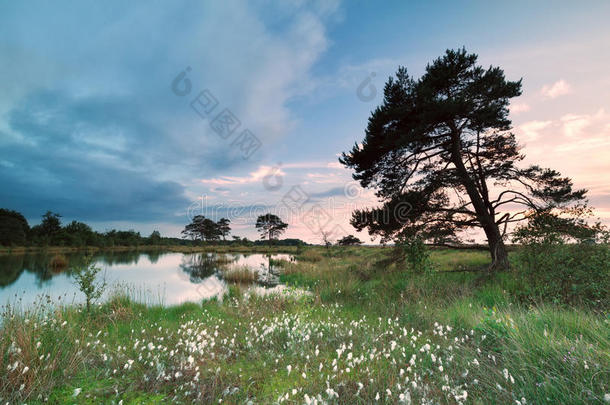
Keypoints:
pixel 156 278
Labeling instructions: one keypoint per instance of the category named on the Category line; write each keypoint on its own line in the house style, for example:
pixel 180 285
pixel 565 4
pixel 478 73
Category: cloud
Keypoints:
pixel 254 177
pixel 575 124
pixel 332 192
pixel 95 132
pixel 559 88
pixel 517 108
pixel 530 131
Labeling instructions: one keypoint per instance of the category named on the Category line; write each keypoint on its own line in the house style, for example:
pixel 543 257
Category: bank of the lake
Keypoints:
pixel 229 248
pixel 366 331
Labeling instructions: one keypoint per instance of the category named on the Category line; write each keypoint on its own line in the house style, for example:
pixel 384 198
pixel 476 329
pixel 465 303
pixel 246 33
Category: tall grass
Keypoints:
pixel 58 262
pixel 239 274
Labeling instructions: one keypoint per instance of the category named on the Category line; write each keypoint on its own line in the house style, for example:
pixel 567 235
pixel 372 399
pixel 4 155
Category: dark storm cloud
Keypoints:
pixel 84 158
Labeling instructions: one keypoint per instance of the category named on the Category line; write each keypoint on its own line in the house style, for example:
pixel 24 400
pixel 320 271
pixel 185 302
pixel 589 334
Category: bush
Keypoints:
pixel 85 279
pixel 416 254
pixel 565 273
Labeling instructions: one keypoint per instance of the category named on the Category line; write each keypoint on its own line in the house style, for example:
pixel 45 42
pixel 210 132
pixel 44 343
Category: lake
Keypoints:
pixel 150 277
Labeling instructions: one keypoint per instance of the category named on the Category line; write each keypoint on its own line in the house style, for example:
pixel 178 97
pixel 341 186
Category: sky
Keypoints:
pixel 139 115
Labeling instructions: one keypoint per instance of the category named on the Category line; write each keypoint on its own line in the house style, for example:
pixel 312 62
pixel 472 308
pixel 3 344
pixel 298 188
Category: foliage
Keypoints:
pixel 270 226
pixel 569 274
pixel 560 226
pixel 49 231
pixel 349 240
pixel 15 232
pixel 224 227
pixel 564 258
pixel 435 146
pixel 14 228
pixel 416 254
pixel 154 238
pixel 202 228
pixel 86 280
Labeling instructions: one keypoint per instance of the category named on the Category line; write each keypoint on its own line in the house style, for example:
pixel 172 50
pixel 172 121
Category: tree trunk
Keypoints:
pixel 497 249
pixel 485 214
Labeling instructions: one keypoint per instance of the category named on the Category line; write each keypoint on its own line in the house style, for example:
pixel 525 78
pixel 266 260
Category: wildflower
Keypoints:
pixel 25 370
pixel 377 397
pixel 76 392
pixel 462 397
pixel 289 368
pixel 406 397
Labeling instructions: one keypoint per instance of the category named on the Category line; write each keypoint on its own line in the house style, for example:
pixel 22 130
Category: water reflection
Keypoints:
pixel 199 266
pixel 169 278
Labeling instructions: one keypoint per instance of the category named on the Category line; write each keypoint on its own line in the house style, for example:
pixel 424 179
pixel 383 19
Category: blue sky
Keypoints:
pixel 90 126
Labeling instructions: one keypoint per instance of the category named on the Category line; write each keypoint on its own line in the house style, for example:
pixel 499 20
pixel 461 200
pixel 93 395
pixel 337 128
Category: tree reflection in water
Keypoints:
pixel 203 265
pixel 269 274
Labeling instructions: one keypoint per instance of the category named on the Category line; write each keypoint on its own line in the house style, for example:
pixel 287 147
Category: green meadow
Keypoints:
pixel 353 325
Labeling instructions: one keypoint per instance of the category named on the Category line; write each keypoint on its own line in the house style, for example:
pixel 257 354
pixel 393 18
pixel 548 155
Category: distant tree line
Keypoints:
pixel 16 231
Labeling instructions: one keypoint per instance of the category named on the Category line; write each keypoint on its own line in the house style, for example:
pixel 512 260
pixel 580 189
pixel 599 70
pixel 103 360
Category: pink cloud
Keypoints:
pixel 255 176
pixel 517 108
pixel 575 124
pixel 530 131
pixel 559 88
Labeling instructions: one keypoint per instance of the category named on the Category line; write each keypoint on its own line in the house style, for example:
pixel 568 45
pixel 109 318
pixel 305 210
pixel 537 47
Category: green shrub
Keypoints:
pixel 416 254
pixel 86 281
pixel 574 274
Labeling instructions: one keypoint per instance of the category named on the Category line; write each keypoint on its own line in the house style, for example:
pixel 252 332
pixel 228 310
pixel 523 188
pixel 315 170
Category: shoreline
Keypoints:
pixel 148 248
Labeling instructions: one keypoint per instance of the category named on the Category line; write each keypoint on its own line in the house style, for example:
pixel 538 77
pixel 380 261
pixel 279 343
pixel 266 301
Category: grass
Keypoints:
pixel 240 274
pixel 369 332
pixel 58 262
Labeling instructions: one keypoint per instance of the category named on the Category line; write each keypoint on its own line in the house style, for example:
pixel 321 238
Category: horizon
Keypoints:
pixel 98 124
